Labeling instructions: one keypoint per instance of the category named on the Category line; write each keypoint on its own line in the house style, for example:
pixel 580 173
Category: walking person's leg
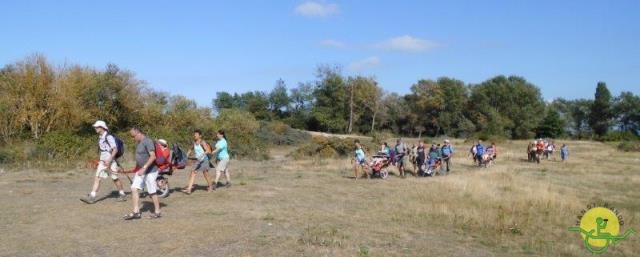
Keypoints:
pixel 100 173
pixel 136 185
pixel 218 173
pixel 222 166
pixel 117 182
pixel 205 173
pixel 150 182
pixel 192 179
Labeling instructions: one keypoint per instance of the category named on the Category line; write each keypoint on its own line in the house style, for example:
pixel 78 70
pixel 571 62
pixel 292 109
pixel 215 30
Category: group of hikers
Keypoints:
pixel 423 158
pixel 540 148
pixel 427 161
pixel 153 158
pixel 484 156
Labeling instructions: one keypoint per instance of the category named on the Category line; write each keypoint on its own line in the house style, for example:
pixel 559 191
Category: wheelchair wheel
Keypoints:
pixel 163 187
pixel 384 174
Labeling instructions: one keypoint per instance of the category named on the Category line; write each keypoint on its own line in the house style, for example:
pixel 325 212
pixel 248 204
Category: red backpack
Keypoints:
pixel 163 160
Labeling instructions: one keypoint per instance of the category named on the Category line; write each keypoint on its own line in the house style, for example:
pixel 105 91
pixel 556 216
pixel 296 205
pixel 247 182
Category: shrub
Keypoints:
pixel 279 133
pixel 330 147
pixel 619 136
pixel 63 145
pixel 629 146
pixel 10 154
pixel 381 137
pixel 241 129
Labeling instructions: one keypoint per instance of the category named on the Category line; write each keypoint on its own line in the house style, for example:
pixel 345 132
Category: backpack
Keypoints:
pixel 479 149
pixel 119 144
pixel 448 149
pixel 162 157
pixel 179 159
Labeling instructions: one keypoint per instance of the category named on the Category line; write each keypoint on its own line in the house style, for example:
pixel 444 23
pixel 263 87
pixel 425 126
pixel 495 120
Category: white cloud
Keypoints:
pixel 316 9
pixel 364 64
pixel 408 43
pixel 330 43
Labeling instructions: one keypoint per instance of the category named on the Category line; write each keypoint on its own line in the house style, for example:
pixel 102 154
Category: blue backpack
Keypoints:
pixel 479 149
pixel 119 145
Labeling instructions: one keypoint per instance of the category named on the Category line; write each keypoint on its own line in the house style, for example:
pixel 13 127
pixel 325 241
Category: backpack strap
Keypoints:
pixel 106 140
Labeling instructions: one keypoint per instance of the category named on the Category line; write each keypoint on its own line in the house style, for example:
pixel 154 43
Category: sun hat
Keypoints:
pixel 100 124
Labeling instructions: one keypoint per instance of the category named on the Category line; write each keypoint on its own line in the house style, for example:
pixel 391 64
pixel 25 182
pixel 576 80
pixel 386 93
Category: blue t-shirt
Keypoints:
pixel 359 155
pixel 223 154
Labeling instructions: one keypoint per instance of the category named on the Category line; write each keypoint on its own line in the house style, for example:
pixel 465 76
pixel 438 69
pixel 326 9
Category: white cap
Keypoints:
pixel 446 140
pixel 163 142
pixel 100 124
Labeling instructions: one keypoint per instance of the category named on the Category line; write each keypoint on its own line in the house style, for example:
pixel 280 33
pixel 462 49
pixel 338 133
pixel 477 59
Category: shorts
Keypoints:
pixel 147 180
pixel 222 165
pixel 201 165
pixel 400 160
pixel 361 162
pixel 103 172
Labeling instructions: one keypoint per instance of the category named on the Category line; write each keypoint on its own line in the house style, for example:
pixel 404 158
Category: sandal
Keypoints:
pixel 185 191
pixel 131 216
pixel 155 216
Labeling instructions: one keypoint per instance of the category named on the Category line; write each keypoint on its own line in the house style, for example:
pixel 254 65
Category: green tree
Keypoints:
pixel 580 110
pixel 279 100
pixel 330 112
pixel 551 126
pixel 600 117
pixel 223 100
pixel 301 104
pixel 508 106
pixel 626 110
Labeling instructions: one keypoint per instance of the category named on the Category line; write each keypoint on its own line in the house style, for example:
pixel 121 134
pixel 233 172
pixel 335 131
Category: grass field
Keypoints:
pixel 283 207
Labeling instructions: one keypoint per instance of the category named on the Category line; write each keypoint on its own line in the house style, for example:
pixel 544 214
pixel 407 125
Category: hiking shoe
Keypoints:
pixel 122 198
pixel 89 199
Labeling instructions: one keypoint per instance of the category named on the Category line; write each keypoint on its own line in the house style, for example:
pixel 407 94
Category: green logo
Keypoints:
pixel 599 227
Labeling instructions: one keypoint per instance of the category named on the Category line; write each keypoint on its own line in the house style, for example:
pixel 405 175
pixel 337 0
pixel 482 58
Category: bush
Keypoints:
pixel 381 137
pixel 619 136
pixel 330 147
pixel 63 145
pixel 629 146
pixel 241 129
pixel 279 133
pixel 10 154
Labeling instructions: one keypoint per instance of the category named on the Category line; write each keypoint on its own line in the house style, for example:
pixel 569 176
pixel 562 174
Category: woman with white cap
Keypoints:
pixel 108 165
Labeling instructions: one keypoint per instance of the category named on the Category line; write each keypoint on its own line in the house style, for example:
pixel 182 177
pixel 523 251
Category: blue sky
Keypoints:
pixel 196 48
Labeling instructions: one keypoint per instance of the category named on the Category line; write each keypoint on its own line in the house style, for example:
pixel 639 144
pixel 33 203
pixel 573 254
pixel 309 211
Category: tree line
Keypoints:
pixel 504 106
pixel 37 98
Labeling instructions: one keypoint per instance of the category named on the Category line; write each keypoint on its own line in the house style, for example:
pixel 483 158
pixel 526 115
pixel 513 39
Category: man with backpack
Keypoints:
pixel 110 149
pixel 479 152
pixel 447 153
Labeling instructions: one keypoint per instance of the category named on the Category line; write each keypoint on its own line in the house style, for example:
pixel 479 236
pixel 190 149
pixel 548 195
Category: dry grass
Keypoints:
pixel 314 208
